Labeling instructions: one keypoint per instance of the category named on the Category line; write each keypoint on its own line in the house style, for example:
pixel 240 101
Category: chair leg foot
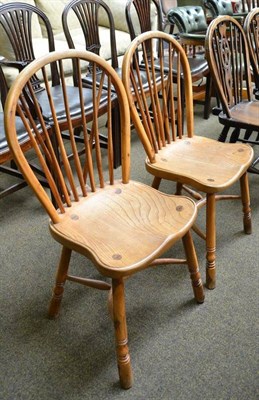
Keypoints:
pixel 210 277
pixel 193 268
pixel 120 326
pixel 58 289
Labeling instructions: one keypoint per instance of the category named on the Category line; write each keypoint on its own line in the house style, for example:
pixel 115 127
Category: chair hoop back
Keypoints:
pixel 69 178
pixel 156 107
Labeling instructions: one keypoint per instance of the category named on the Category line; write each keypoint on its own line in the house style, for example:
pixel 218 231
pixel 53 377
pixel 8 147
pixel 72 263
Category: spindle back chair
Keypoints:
pixel 173 151
pixel 103 218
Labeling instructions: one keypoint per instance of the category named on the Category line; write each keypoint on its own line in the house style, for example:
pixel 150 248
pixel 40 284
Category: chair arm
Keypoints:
pixel 20 65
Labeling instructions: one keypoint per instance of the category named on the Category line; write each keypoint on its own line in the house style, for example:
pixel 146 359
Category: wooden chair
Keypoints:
pixel 192 25
pixel 88 13
pixel 228 57
pixel 251 28
pixel 199 66
pixel 195 163
pixel 16 20
pixel 103 218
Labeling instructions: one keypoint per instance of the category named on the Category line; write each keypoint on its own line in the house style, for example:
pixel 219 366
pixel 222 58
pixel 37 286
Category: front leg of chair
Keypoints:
pixel 61 277
pixel 245 195
pixel 193 267
pixel 211 240
pixel 120 326
pixel 156 182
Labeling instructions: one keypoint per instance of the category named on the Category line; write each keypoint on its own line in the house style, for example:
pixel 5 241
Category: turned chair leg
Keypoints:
pixel 61 277
pixel 211 240
pixel 245 196
pixel 119 319
pixel 193 267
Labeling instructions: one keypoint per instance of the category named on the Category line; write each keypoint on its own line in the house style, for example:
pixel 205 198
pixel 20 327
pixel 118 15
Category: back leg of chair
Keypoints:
pixel 223 135
pixel 193 267
pixel 121 336
pixel 245 196
pixel 208 93
pixel 61 278
pixel 156 182
pixel 210 240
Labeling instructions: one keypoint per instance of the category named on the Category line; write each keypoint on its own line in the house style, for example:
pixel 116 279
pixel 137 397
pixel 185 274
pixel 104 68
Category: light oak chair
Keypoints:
pixel 228 58
pixel 195 163
pixel 119 225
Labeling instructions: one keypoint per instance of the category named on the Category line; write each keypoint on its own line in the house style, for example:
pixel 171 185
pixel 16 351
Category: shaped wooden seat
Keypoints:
pixel 193 162
pixel 120 225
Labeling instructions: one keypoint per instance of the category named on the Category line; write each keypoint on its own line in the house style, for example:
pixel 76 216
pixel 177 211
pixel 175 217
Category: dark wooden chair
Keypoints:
pixel 16 20
pixel 99 217
pixel 7 164
pixel 196 163
pixel 192 26
pixel 88 13
pixel 199 66
pixel 251 28
pixel 237 10
pixel 6 160
pixel 228 57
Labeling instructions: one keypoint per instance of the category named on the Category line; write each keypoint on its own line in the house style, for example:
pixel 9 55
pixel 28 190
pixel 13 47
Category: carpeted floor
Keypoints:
pixel 179 350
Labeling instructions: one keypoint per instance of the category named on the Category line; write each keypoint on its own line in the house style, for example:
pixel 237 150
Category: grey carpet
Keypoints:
pixel 179 350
